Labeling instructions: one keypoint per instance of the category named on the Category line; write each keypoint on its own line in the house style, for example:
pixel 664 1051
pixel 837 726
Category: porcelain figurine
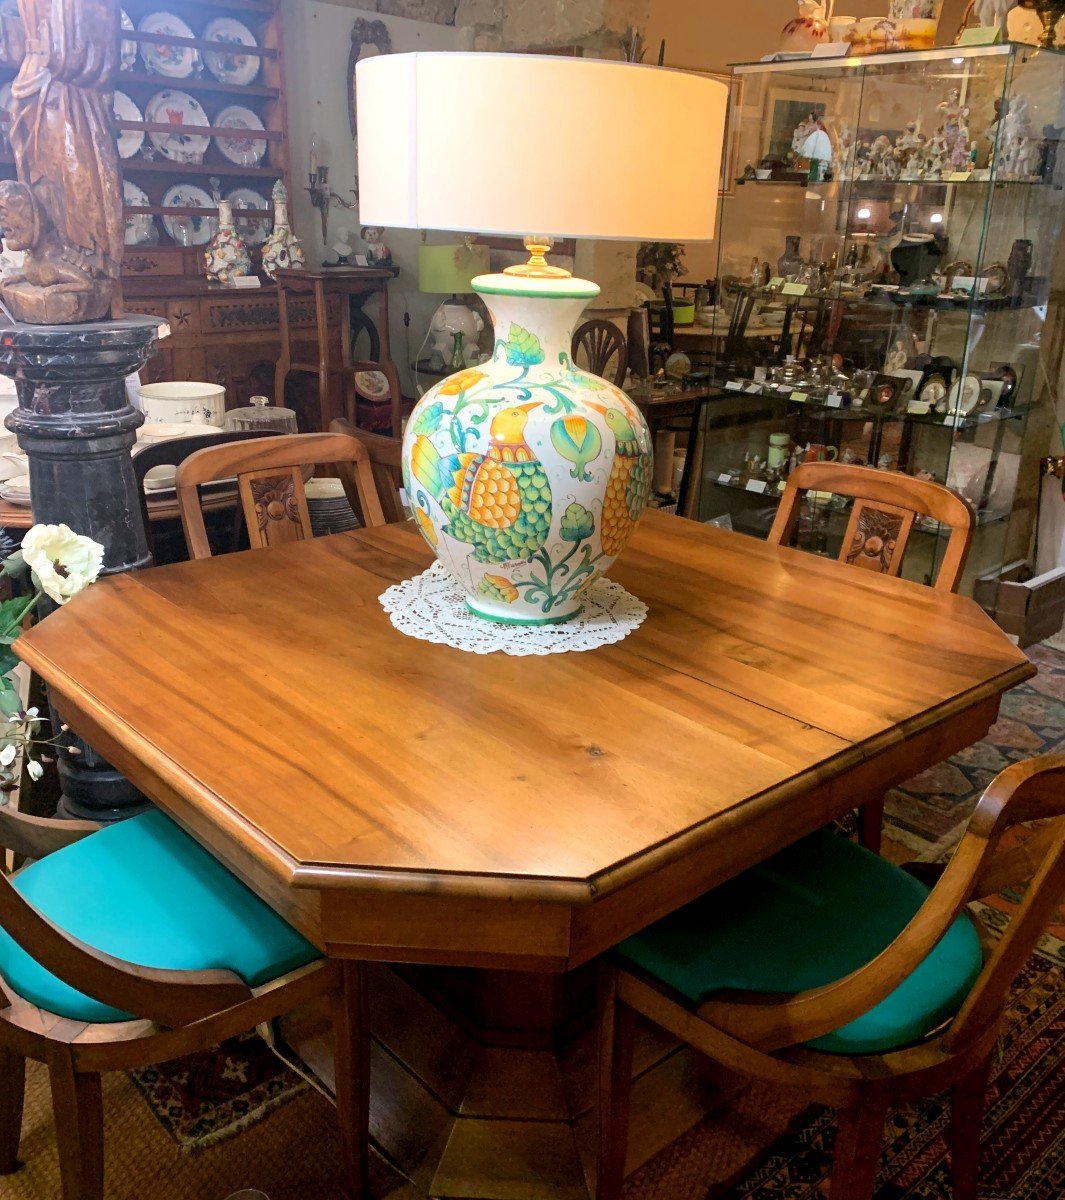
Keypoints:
pixel 527 474
pixel 377 253
pixel 282 249
pixel 226 254
pixel 843 154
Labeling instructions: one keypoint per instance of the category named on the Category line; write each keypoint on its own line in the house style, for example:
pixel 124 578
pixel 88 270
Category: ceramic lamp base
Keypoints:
pixel 502 614
pixel 526 474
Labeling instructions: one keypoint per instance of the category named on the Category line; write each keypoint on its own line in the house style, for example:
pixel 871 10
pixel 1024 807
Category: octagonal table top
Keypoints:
pixel 266 702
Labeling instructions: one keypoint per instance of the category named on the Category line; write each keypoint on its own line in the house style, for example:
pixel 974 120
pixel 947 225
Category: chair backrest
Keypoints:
pixel 386 463
pixel 886 505
pixel 359 389
pixel 601 341
pixel 270 481
pixel 173 452
pixel 981 866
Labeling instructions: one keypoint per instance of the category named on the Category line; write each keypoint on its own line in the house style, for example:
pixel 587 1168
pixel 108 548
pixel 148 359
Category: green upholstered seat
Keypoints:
pixel 144 891
pixel 806 917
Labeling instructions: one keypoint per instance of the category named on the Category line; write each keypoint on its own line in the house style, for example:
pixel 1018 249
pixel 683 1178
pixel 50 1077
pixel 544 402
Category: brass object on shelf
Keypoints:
pixel 1050 13
pixel 65 209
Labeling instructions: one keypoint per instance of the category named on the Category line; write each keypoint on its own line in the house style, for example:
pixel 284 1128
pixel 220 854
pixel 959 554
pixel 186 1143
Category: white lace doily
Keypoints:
pixel 432 607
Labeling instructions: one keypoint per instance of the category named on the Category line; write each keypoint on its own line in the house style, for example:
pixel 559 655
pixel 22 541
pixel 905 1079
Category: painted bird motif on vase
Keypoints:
pixel 628 484
pixel 498 502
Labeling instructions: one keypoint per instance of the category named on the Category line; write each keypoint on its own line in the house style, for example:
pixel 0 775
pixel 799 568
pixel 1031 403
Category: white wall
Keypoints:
pixel 317 42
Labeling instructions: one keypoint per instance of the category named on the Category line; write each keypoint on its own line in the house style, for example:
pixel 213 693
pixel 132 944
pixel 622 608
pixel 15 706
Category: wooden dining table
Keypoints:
pixel 484 826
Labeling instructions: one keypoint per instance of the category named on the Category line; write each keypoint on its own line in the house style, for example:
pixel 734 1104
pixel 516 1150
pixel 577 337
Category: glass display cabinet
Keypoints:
pixel 887 247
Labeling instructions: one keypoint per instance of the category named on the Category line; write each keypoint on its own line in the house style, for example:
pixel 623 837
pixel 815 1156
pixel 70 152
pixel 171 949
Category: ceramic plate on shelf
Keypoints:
pixel 161 58
pixel 129 140
pixel 179 110
pixel 140 227
pixel 128 49
pixel 16 490
pixel 253 230
pixel 229 65
pixel 241 149
pixel 189 229
pixel 965 395
pixel 5 109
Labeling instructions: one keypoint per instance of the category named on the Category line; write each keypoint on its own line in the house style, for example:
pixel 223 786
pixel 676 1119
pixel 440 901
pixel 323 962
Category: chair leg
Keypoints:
pixel 351 1032
pixel 968 1098
pixel 858 1144
pixel 871 823
pixel 12 1092
pixel 615 1026
pixel 77 1100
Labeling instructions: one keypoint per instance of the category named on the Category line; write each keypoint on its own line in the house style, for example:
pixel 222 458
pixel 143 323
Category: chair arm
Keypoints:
pixel 170 998
pixel 37 837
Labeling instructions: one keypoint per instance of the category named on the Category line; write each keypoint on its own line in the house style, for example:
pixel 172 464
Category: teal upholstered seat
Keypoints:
pixel 812 914
pixel 144 891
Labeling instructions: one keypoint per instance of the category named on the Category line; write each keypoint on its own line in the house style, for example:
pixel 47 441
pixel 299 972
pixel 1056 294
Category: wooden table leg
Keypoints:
pixel 484 1082
pixel 351 399
pixel 321 321
pixel 285 358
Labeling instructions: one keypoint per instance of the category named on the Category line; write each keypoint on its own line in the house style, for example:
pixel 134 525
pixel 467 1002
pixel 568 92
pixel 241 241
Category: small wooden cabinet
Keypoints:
pixel 231 338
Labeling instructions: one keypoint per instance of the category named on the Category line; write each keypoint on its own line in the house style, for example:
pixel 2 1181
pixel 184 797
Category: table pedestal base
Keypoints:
pixel 503 1112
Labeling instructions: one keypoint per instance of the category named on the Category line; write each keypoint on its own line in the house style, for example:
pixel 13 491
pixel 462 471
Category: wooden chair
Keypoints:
pixel 896 996
pixel 174 452
pixel 124 982
pixel 386 463
pixel 270 482
pixel 886 505
pixel 601 341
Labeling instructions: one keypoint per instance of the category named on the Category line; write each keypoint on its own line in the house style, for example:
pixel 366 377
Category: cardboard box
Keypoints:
pixel 1029 608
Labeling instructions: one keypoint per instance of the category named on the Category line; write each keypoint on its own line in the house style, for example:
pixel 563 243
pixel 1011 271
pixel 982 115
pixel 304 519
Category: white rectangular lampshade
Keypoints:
pixel 526 144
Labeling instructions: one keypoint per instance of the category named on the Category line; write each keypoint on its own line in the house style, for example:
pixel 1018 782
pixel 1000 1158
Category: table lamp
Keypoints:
pixel 450 269
pixel 526 474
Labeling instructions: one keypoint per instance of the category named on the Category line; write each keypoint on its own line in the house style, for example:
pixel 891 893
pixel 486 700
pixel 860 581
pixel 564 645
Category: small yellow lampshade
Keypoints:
pixel 560 146
pixel 450 268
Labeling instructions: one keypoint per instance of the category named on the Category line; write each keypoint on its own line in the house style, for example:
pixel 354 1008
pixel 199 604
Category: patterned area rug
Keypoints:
pixel 205 1097
pixel 1024 1128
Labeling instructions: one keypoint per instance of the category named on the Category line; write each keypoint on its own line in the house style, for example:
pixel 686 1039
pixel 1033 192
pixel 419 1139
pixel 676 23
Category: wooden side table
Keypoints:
pixel 347 282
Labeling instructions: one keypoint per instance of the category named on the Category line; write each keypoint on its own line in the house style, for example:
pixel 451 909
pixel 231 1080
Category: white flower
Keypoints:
pixel 7 755
pixel 34 768
pixel 63 561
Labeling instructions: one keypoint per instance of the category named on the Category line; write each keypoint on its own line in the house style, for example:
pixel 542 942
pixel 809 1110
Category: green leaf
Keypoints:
pixel 14 564
pixel 577 523
pixel 523 348
pixel 10 702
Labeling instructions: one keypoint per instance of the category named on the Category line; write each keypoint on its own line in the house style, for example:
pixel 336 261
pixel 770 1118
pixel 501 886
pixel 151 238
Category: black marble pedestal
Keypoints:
pixel 76 426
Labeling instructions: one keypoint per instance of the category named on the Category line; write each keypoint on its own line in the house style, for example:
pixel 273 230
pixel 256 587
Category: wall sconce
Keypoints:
pixel 322 196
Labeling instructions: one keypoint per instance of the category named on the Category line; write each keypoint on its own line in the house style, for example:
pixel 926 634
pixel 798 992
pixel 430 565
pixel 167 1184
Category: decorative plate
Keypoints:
pixel 5 109
pixel 965 395
pixel 161 58
pixel 179 110
pixel 254 230
pixel 189 229
pixel 230 66
pixel 244 151
pixel 140 227
pixel 372 384
pixel 129 140
pixel 129 49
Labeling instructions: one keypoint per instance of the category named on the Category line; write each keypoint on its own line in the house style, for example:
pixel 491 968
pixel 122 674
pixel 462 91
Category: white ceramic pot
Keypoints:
pixel 526 474
pixel 183 403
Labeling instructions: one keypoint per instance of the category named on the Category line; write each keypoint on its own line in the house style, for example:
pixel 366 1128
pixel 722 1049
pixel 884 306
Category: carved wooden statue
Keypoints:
pixel 65 210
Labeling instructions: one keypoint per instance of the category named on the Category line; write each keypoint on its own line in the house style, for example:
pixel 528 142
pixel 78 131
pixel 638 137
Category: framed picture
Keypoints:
pixel 784 112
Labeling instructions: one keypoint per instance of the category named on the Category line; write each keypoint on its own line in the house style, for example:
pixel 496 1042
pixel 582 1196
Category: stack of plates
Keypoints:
pixel 329 508
pixel 16 490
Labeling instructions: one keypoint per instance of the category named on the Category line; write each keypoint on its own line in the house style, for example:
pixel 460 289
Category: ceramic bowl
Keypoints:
pixel 183 402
